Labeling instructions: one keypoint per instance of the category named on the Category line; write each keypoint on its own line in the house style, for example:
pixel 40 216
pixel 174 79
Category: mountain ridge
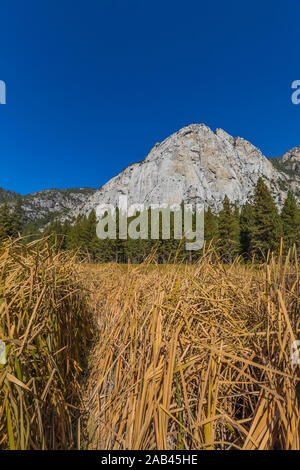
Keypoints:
pixel 46 204
pixel 194 164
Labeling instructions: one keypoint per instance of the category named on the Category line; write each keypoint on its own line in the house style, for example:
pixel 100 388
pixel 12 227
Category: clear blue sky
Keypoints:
pixel 92 85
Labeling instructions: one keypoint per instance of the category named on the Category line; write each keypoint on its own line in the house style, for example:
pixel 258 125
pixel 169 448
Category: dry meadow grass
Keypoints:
pixel 195 357
pixel 182 357
pixel 45 324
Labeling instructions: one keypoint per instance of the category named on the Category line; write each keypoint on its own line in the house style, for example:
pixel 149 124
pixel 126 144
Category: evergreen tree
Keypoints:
pixel 89 236
pixel 74 238
pixel 17 219
pixel 210 226
pixel 290 216
pixel 266 229
pixel 5 222
pixel 246 223
pixel 118 245
pixel 229 232
pixel 98 250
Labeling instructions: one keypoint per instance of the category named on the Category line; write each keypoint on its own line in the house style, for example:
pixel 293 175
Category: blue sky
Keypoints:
pixel 93 85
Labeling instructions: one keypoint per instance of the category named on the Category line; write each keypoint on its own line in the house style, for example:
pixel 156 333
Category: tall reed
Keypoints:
pixel 45 324
pixel 195 357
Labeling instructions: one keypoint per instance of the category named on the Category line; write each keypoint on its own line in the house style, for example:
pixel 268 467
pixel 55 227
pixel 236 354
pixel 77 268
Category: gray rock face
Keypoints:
pixel 289 166
pixel 194 165
pixel 56 201
pixel 42 205
pixel 291 160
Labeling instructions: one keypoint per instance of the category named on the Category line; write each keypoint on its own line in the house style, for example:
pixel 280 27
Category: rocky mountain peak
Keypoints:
pixel 197 165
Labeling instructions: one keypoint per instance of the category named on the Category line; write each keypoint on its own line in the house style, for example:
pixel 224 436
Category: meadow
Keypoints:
pixel 148 356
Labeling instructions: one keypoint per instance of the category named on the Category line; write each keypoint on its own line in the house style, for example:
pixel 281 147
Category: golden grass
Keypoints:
pixel 195 357
pixel 45 324
pixel 185 357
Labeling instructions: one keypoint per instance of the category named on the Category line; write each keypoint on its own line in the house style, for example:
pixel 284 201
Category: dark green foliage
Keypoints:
pixel 229 231
pixel 210 226
pixel 11 220
pixel 290 217
pixel 266 230
pixel 246 224
pixel 17 219
pixel 5 222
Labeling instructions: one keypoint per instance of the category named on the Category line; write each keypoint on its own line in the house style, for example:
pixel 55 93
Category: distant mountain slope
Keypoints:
pixel 289 165
pixel 41 206
pixel 7 196
pixel 54 201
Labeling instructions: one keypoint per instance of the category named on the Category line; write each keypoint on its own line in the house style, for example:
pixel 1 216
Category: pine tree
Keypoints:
pixel 266 229
pixel 90 241
pixel 290 216
pixel 118 246
pixel 246 224
pixel 5 222
pixel 210 226
pixel 229 231
pixel 17 219
pixel 89 237
pixel 66 227
pixel 74 238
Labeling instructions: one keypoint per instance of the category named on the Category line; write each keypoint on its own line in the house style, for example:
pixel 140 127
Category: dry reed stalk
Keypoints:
pixel 195 357
pixel 45 324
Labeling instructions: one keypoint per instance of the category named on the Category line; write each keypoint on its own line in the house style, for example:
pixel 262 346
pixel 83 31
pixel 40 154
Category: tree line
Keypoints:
pixel 250 232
